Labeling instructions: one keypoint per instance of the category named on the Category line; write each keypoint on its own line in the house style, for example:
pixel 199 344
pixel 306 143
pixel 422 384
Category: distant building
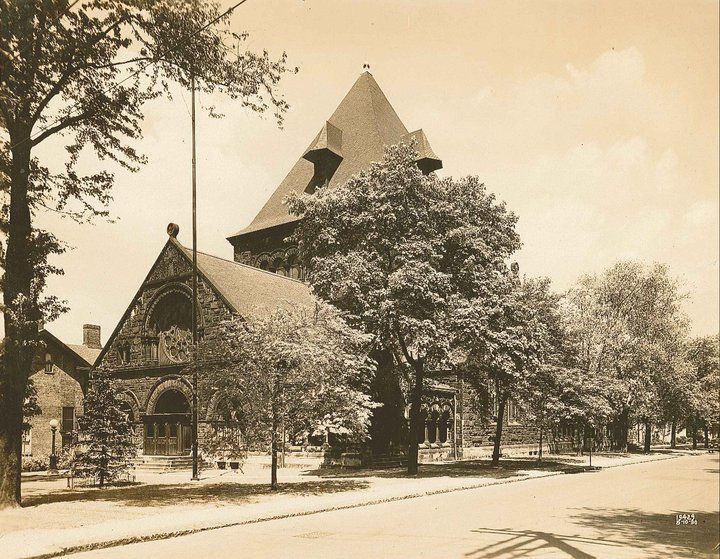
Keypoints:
pixel 60 378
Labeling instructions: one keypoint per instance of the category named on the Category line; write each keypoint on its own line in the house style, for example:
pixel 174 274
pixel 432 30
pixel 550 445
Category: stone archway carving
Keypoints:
pixel 262 261
pixel 170 382
pixel 169 289
pixel 129 397
pixel 212 406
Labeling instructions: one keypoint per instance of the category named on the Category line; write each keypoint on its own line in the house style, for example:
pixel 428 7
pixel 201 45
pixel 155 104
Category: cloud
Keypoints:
pixel 599 165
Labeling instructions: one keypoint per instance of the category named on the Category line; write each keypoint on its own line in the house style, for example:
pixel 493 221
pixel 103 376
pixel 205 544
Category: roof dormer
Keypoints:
pixel 325 153
pixel 427 160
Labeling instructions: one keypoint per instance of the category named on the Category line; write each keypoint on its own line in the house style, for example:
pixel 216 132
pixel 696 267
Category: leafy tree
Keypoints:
pixel 703 354
pixel 31 408
pixel 301 368
pixel 105 438
pixel 81 71
pixel 678 393
pixel 506 336
pixel 628 326
pixel 582 402
pixel 396 249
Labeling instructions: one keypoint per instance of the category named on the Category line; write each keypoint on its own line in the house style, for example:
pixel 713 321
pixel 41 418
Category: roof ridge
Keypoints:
pixel 373 108
pixel 373 89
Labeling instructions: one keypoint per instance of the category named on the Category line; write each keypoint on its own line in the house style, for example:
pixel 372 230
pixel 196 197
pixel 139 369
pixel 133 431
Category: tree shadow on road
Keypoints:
pixel 142 495
pixel 520 543
pixel 643 530
pixel 465 468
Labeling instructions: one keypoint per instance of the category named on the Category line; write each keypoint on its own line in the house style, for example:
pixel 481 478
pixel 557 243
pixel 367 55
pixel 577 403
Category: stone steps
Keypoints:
pixel 163 463
pixel 386 461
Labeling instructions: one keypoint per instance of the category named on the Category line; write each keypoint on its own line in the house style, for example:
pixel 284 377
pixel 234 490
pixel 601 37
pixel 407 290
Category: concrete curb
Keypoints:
pixel 185 532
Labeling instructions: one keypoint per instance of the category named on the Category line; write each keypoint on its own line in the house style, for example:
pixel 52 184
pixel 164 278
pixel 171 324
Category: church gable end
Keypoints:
pixel 156 328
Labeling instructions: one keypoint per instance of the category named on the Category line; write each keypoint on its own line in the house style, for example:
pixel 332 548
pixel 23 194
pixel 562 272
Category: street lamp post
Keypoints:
pixel 53 456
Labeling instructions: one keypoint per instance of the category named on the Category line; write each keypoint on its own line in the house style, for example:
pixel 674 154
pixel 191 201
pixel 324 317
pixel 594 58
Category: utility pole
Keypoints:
pixel 195 468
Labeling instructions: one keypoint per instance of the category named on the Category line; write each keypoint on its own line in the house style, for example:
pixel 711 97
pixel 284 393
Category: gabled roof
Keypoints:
pixel 245 290
pixel 86 355
pixel 249 291
pixel 368 124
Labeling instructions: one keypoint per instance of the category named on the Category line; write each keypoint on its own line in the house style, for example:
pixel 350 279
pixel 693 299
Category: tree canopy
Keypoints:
pixel 303 369
pixel 629 330
pixel 398 251
pixel 79 72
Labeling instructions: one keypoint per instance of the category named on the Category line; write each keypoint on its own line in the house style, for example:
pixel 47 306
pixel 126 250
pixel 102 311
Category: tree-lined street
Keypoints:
pixel 618 513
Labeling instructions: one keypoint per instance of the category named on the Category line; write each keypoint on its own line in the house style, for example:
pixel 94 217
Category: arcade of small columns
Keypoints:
pixel 438 424
pixel 283 262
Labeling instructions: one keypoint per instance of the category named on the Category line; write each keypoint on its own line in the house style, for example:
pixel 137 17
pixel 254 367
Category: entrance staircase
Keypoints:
pixel 160 464
pixel 387 460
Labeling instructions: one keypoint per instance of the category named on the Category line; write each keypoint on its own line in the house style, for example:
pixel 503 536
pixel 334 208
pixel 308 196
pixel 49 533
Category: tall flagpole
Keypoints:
pixel 195 476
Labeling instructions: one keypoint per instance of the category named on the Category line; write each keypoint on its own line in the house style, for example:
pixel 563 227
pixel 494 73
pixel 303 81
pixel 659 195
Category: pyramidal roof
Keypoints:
pixel 368 123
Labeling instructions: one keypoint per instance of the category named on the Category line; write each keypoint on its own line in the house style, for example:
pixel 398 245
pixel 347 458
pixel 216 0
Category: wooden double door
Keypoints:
pixel 168 435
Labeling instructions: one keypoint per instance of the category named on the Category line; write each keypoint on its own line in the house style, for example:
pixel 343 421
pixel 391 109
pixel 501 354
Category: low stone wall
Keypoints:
pixel 506 451
pixel 441 453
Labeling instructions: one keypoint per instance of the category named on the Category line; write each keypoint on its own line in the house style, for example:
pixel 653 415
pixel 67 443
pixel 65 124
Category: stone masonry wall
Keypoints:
pixel 142 378
pixel 174 272
pixel 479 430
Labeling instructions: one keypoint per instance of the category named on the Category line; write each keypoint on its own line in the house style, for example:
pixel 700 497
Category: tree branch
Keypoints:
pixel 61 126
pixel 403 346
pixel 57 87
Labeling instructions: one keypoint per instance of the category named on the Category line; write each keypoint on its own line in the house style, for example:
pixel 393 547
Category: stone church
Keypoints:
pixel 150 345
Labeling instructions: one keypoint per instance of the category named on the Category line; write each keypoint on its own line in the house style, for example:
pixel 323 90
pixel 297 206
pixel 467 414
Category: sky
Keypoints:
pixel 597 123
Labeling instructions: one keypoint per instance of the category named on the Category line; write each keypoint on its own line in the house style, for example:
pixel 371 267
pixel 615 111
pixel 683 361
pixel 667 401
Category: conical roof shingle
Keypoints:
pixel 368 123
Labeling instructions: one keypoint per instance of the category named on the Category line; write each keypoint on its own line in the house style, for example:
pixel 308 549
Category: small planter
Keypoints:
pixel 221 464
pixel 234 465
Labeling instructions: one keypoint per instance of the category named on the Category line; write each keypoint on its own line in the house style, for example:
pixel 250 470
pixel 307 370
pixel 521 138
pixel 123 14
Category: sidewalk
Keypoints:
pixel 167 505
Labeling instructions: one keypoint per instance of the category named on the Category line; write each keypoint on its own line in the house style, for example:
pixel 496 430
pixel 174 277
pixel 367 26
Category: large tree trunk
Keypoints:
pixel 673 433
pixel 706 432
pixel 621 442
pixel 541 444
pixel 693 424
pixel 498 426
pixel 648 433
pixel 273 456
pixel 17 352
pixel 415 407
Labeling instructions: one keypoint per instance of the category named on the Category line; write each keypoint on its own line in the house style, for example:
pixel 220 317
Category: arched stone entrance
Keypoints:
pixel 167 423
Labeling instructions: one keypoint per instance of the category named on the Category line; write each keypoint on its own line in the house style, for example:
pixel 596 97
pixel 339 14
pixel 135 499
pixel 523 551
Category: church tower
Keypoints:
pixel 356 135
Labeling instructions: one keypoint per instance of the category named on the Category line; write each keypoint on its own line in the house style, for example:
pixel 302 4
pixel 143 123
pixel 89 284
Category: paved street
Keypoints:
pixel 616 513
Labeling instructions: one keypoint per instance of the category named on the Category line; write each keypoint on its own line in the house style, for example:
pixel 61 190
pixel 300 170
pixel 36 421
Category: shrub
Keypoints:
pixel 35 464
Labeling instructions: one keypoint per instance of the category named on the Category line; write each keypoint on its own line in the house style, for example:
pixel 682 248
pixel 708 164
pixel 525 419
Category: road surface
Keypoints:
pixel 616 513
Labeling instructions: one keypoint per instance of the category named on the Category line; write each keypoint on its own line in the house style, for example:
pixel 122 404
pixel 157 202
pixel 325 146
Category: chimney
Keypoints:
pixel 91 336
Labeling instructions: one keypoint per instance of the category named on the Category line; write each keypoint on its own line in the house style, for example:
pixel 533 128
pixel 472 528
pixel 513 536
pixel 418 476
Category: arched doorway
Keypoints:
pixel 167 429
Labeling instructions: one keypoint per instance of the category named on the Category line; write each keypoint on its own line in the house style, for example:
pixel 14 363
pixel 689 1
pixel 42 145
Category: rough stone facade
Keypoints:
pixel 133 356
pixel 269 250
